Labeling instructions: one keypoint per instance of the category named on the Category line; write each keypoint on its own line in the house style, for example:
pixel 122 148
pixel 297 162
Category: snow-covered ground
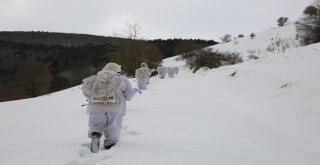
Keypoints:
pixel 271 41
pixel 260 112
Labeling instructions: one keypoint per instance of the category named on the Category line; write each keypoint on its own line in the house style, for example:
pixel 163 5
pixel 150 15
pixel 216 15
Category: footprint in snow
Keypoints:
pixel 85 152
pixel 126 132
pixel 89 161
pixel 87 145
pixel 89 158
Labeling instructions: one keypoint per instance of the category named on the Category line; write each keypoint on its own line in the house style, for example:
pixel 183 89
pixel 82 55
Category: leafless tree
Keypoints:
pixel 132 31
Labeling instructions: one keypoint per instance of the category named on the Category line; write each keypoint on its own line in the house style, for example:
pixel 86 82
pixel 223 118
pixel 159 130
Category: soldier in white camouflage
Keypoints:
pixel 161 71
pixel 142 75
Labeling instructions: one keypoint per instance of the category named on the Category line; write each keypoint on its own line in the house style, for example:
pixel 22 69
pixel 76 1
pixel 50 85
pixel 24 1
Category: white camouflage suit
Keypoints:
pixel 171 72
pixel 142 75
pixel 106 119
pixel 161 71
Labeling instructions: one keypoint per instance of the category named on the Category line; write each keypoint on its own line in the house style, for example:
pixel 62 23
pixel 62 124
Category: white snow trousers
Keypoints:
pixel 107 123
pixel 162 75
pixel 142 83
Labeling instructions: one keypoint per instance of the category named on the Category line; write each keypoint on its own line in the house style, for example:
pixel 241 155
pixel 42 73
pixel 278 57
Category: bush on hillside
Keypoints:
pixel 240 35
pixel 252 35
pixel 208 59
pixel 310 10
pixel 252 54
pixel 308 26
pixel 226 38
pixel 278 45
pixel 253 57
pixel 282 21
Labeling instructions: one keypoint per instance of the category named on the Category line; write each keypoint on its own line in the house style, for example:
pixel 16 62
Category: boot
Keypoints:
pixel 107 146
pixel 95 142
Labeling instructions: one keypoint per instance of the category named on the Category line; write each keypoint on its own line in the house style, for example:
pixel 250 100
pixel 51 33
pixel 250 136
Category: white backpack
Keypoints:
pixel 102 87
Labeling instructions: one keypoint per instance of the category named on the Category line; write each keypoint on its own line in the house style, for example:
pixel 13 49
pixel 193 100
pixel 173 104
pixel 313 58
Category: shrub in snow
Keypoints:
pixel 252 35
pixel 240 35
pixel 282 21
pixel 278 44
pixel 251 52
pixel 226 38
pixel 233 74
pixel 207 58
pixel 253 57
pixel 270 48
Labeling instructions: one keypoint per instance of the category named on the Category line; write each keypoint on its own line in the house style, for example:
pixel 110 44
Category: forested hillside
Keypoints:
pixel 37 63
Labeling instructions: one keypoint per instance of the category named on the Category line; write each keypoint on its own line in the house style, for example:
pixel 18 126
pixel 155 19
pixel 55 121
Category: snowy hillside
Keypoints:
pixel 260 112
pixel 274 40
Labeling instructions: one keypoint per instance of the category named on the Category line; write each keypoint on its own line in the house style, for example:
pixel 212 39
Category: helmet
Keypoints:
pixel 113 67
pixel 143 64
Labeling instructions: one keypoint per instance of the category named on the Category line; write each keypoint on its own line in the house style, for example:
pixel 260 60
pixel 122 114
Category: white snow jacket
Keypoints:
pixel 142 72
pixel 171 72
pixel 125 93
pixel 161 71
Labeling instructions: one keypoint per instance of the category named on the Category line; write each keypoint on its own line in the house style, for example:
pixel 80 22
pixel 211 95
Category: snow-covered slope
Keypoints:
pixel 274 40
pixel 259 112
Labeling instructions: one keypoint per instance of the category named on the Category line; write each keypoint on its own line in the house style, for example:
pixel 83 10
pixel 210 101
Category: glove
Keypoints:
pixel 137 90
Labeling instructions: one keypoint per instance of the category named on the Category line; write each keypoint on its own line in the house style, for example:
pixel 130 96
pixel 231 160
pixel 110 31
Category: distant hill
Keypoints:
pixel 37 63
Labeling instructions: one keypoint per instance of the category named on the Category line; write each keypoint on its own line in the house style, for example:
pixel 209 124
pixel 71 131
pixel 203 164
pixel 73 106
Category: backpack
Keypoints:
pixel 142 72
pixel 102 87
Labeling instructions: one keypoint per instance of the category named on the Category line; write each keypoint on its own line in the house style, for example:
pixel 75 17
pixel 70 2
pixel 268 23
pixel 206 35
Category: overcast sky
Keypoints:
pixel 203 19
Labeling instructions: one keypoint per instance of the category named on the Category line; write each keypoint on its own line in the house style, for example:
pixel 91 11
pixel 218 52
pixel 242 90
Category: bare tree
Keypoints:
pixel 132 31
